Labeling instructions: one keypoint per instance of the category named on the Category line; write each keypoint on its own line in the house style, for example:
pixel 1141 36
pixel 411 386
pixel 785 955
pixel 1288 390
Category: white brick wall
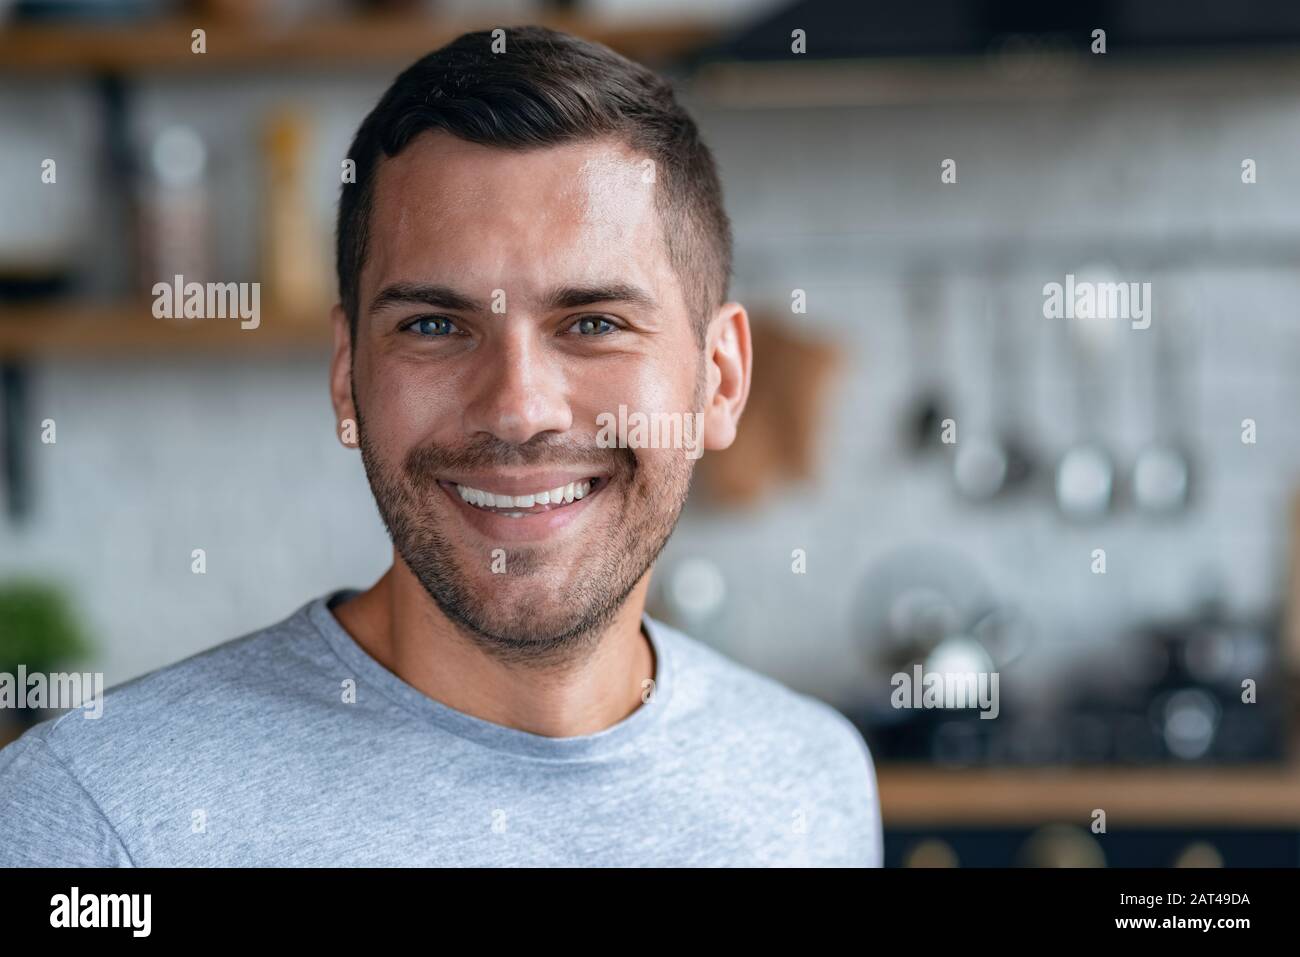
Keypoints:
pixel 153 461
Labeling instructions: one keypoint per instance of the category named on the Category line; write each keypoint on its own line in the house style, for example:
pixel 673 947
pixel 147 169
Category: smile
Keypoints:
pixel 519 509
pixel 530 503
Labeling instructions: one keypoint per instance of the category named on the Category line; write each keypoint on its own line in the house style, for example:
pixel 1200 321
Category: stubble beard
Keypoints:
pixel 566 626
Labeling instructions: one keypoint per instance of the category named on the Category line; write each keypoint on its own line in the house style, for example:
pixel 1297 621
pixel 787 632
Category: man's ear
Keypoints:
pixel 728 361
pixel 345 412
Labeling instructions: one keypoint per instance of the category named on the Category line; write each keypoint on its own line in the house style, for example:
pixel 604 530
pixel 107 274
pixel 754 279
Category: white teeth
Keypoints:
pixel 560 495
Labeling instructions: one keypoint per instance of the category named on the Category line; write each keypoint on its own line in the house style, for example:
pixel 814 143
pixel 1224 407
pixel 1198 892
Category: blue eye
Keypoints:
pixel 594 326
pixel 433 327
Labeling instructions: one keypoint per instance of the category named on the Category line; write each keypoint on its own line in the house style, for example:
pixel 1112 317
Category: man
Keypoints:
pixel 534 239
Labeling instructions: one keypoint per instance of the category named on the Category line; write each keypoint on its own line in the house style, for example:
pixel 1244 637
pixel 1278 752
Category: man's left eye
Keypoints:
pixel 594 326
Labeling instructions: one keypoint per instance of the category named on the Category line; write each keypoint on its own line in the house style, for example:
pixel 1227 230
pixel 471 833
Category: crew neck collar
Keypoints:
pixel 371 673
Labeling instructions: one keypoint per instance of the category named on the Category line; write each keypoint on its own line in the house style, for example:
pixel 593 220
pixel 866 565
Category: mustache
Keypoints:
pixel 424 463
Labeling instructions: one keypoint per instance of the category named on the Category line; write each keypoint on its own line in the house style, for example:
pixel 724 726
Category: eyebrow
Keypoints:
pixel 561 297
pixel 424 294
pixel 573 297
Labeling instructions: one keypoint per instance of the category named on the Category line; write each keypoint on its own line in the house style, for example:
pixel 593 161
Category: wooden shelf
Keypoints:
pixel 127 331
pixel 165 45
pixel 1212 74
pixel 1254 795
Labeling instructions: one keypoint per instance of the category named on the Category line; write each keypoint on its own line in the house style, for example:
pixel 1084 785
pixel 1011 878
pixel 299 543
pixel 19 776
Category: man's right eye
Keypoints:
pixel 432 327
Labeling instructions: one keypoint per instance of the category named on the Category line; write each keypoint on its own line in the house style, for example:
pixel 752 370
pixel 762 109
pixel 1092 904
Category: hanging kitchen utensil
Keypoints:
pixel 995 460
pixel 15 440
pixel 923 297
pixel 1085 474
pixel 1162 472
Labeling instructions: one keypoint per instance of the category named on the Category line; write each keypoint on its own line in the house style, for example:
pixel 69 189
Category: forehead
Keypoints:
pixel 482 218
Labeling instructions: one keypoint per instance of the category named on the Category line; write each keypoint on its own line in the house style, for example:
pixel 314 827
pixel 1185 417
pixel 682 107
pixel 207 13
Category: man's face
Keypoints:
pixel 507 301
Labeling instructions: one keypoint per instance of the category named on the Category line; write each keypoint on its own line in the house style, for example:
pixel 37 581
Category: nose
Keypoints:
pixel 517 391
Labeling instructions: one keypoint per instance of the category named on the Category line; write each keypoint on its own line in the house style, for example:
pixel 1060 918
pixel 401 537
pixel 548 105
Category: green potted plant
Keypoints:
pixel 37 629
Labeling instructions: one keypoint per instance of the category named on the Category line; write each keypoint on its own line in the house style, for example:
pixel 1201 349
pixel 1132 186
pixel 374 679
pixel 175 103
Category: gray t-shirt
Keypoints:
pixel 255 753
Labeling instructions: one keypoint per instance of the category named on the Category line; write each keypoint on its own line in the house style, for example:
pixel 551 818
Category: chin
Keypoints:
pixel 533 637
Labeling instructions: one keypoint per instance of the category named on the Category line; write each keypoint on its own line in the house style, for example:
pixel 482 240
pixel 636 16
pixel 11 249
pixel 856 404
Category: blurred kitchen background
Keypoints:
pixel 886 301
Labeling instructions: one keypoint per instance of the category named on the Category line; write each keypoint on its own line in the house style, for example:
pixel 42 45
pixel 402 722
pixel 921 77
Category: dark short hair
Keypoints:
pixel 545 89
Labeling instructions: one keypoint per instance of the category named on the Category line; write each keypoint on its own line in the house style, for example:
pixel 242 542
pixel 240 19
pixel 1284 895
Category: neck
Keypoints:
pixel 402 628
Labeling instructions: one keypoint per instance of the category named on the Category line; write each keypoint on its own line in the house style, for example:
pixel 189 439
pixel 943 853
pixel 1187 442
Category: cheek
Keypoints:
pixel 406 407
pixel 649 387
pixel 645 385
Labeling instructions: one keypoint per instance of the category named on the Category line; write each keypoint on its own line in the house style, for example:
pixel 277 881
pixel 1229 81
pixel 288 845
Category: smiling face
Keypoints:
pixel 508 300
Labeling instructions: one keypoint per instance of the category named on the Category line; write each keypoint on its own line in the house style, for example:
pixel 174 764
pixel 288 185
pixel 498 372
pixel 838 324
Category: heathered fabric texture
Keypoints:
pixel 248 755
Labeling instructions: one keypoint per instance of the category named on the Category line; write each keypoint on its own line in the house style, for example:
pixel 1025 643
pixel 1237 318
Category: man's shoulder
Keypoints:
pixel 759 706
pixel 184 703
pixel 69 785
